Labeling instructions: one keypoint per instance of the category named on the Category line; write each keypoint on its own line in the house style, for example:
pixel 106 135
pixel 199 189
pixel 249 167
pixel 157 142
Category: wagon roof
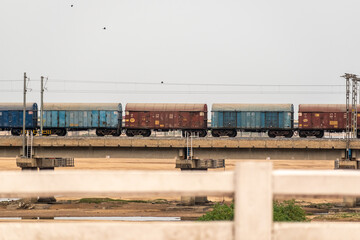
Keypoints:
pixel 191 107
pixel 17 106
pixel 82 106
pixel 323 108
pixel 252 107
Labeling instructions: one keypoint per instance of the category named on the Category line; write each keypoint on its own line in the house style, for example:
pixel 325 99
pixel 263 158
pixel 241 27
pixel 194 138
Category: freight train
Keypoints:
pixel 143 118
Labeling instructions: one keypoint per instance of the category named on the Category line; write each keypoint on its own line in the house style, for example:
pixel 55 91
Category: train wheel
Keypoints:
pixel 290 134
pixel 215 133
pixel 146 133
pixel 100 132
pixel 15 132
pixel 232 133
pixel 129 133
pixel 271 134
pixel 61 132
pixel 320 134
pixel 203 133
pixel 302 134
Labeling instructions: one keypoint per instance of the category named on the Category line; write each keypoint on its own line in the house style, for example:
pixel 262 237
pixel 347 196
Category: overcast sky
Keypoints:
pixel 184 42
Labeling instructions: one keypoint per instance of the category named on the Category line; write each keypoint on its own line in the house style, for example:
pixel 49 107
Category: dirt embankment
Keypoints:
pixel 104 208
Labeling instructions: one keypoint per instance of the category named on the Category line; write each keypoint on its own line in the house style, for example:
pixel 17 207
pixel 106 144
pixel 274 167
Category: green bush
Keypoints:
pixel 220 212
pixel 285 211
pixel 99 200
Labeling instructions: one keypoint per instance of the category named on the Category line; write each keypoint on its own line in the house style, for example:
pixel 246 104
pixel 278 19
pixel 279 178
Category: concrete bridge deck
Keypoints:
pixel 166 147
pixel 166 142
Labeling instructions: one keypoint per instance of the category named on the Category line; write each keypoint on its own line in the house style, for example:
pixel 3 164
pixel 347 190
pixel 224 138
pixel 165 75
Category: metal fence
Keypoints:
pixel 252 183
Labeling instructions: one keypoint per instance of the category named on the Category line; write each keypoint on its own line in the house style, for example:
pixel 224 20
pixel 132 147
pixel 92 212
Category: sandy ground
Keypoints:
pixel 168 208
pixel 7 164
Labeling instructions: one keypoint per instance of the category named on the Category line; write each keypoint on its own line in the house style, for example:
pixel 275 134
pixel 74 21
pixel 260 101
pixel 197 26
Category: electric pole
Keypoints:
pixel 24 118
pixel 354 106
pixel 347 77
pixel 42 105
pixel 351 117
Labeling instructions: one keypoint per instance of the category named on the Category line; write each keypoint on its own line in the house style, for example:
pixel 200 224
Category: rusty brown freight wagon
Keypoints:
pixel 315 119
pixel 141 118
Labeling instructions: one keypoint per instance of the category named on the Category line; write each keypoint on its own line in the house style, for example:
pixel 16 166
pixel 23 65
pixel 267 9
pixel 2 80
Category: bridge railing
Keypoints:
pixel 253 183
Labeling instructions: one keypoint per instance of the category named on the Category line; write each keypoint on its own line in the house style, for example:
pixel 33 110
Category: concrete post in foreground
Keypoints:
pixel 253 213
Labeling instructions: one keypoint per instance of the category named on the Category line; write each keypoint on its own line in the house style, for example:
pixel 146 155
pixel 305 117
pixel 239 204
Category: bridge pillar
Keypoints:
pixel 32 199
pixel 43 164
pixel 50 199
pixel 196 164
pixel 193 200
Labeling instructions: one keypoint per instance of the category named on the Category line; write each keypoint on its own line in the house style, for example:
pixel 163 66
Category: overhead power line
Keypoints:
pixel 195 84
pixel 8 80
pixel 195 92
pixel 180 84
pixel 150 92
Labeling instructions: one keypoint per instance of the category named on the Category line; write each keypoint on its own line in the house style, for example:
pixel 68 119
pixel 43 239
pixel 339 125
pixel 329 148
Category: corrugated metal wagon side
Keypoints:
pixel 315 119
pixel 141 118
pixel 276 119
pixel 11 117
pixel 106 118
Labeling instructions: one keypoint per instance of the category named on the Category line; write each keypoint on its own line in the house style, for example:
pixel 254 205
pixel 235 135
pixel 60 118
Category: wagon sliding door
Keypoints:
pixel 5 120
pixel 229 119
pixel 144 118
pixel 318 120
pixel 62 117
pixel 169 120
pixel 194 120
pixel 184 118
pixel 95 118
pixel 271 119
pixel 103 119
pixel 54 119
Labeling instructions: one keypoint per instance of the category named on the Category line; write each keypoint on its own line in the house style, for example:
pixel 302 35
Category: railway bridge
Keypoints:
pixel 171 147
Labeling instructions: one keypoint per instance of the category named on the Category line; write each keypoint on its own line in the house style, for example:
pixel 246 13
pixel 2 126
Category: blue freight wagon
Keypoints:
pixel 105 118
pixel 11 117
pixel 276 119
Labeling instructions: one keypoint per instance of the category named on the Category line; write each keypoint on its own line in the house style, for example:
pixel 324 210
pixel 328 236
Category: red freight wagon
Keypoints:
pixel 314 119
pixel 141 118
